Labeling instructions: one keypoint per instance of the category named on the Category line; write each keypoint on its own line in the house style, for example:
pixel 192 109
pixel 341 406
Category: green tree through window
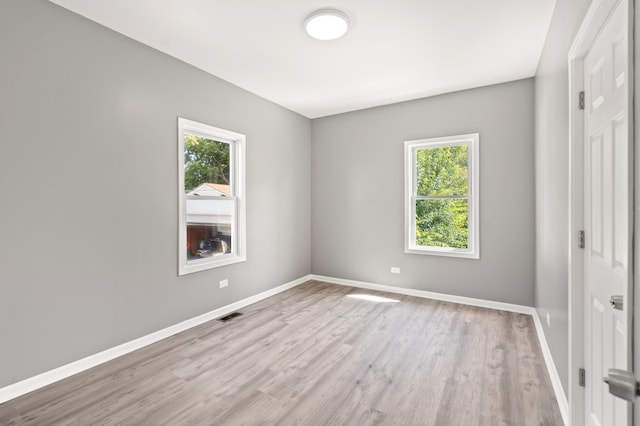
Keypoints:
pixel 206 161
pixel 442 205
pixel 442 196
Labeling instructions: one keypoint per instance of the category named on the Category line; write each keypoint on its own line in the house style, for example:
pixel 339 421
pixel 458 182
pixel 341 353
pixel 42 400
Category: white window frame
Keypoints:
pixel 237 144
pixel 472 141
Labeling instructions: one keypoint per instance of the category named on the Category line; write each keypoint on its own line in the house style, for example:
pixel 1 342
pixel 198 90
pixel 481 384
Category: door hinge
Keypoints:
pixel 581 100
pixel 580 239
pixel 582 379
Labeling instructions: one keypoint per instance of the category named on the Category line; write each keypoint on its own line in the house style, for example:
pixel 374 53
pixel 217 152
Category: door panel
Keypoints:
pixel 607 217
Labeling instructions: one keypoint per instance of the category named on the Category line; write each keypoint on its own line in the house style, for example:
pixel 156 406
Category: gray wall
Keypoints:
pixel 88 189
pixel 552 179
pixel 357 193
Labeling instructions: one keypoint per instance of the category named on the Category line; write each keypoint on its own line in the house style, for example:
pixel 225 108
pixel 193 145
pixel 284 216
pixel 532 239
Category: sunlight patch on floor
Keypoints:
pixel 371 298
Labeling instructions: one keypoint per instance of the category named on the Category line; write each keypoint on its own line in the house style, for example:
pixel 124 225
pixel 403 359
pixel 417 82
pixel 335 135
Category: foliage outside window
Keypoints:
pixel 441 196
pixel 211 182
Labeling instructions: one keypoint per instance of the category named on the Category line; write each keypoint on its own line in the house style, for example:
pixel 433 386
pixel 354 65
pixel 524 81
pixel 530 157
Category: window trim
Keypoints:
pixel 472 140
pixel 237 142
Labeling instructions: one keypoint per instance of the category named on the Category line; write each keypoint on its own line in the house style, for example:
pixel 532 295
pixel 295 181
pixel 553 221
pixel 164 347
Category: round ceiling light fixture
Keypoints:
pixel 327 24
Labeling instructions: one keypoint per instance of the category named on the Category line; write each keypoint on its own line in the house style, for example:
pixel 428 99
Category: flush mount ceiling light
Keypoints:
pixel 326 24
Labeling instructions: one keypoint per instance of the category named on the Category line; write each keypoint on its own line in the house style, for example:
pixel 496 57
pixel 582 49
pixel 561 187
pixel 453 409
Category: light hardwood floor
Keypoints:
pixel 318 354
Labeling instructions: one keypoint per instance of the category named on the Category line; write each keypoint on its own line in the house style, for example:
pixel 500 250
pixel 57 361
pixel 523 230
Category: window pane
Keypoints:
pixel 209 227
pixel 442 223
pixel 212 212
pixel 442 171
pixel 207 168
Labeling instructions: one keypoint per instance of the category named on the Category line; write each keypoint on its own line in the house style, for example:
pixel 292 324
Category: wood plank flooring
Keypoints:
pixel 318 354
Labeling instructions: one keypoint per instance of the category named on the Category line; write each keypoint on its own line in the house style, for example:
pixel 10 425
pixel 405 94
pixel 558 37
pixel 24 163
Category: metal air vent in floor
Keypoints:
pixel 230 316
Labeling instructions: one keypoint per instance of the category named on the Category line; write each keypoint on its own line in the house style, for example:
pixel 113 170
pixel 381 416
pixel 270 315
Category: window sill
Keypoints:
pixel 437 251
pixel 209 263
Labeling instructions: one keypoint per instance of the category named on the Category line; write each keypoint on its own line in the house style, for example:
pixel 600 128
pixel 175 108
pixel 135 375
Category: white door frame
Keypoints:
pixel 593 22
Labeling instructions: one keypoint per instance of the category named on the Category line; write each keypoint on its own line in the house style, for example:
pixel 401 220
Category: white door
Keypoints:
pixel 608 199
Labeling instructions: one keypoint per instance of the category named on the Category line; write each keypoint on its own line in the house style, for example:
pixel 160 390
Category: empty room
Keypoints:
pixel 308 213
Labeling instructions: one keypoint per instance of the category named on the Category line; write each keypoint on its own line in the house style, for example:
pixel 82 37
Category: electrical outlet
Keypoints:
pixel 548 320
pixel 224 283
pixel 395 270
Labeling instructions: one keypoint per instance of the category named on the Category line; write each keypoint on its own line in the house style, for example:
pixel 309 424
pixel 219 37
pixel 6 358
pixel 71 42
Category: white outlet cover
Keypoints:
pixel 224 283
pixel 395 270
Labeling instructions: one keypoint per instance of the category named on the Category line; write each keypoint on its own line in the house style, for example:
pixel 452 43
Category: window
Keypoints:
pixel 441 196
pixel 211 195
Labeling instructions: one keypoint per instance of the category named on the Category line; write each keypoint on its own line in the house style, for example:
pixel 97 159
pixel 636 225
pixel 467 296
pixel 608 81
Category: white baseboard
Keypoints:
pixel 546 353
pixel 29 385
pixel 520 309
pixel 561 397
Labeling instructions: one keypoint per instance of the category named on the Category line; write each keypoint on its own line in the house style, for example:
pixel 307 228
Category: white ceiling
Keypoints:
pixel 395 50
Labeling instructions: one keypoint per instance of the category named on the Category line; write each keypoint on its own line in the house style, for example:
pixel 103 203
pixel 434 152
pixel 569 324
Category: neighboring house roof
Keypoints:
pixel 213 189
pixel 210 211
